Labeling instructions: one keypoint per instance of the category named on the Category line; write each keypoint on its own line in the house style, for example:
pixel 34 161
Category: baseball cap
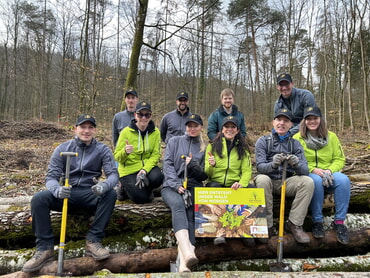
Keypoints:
pixel 195 119
pixel 230 119
pixel 85 118
pixel 143 105
pixel 312 111
pixel 132 92
pixel 284 112
pixel 182 94
pixel 284 77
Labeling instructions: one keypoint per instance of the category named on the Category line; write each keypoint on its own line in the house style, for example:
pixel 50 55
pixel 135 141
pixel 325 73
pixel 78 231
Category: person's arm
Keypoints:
pixel 243 128
pixel 338 159
pixel 120 154
pixel 208 168
pixel 109 167
pixel 115 133
pixel 172 179
pixel 196 170
pixel 246 170
pixel 302 168
pixel 263 165
pixel 212 127
pixel 154 156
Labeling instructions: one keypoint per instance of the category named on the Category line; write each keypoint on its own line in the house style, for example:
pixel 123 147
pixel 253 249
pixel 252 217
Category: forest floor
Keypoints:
pixel 26 147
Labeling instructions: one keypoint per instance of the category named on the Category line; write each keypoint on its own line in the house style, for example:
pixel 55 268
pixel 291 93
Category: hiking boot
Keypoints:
pixel 96 250
pixel 318 230
pixel 38 260
pixel 219 240
pixel 341 230
pixel 271 232
pixel 298 233
pixel 121 193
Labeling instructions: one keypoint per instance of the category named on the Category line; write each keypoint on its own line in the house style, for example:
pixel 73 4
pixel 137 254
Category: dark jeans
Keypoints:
pixel 144 195
pixel 182 218
pixel 82 198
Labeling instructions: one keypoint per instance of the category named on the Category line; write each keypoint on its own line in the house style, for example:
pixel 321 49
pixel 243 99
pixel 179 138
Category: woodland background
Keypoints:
pixel 61 58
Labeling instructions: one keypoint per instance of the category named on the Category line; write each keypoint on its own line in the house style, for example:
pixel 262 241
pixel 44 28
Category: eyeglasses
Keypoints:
pixel 146 115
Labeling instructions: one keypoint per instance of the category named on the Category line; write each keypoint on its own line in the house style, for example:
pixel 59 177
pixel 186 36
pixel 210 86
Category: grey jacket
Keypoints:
pixel 269 145
pixel 296 103
pixel 173 124
pixel 89 163
pixel 120 121
pixel 173 164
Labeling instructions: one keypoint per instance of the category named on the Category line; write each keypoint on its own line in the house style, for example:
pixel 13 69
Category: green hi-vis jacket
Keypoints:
pixel 229 168
pixel 329 157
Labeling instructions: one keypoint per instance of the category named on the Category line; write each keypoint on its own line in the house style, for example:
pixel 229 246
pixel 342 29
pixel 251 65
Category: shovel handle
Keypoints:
pixel 185 182
pixel 282 211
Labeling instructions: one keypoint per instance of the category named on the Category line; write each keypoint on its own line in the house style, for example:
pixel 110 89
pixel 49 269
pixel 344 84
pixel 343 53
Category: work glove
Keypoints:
pixel 64 192
pixel 187 198
pixel 141 180
pixel 277 159
pixel 100 188
pixel 293 160
pixel 327 179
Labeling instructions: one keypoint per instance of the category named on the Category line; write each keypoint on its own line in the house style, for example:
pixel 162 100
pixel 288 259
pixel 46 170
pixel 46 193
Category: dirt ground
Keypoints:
pixel 26 147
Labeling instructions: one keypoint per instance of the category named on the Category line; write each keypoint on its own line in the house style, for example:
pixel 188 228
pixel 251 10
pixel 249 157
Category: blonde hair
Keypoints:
pixel 227 92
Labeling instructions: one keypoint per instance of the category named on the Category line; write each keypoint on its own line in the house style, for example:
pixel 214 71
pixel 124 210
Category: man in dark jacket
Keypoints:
pixel 227 108
pixel 293 99
pixel 84 192
pixel 271 151
pixel 173 123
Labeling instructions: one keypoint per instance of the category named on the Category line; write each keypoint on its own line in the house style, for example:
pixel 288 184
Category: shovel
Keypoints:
pixel 280 266
pixel 187 195
pixel 64 214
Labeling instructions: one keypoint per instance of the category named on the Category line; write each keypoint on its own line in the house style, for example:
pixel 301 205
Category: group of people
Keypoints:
pixel 312 155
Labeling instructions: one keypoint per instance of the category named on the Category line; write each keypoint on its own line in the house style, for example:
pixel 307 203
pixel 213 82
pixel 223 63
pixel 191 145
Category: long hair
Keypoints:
pixel 322 130
pixel 239 142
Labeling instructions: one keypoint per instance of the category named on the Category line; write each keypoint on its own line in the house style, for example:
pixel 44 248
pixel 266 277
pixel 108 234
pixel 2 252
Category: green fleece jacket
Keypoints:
pixel 146 152
pixel 229 168
pixel 329 157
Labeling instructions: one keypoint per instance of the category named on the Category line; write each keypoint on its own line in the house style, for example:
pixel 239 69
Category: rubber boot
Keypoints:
pixel 181 262
pixel 186 248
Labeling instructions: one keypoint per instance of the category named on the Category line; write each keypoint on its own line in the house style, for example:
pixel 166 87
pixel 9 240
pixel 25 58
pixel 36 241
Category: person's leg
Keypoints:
pixel 155 177
pixel 264 181
pixel 317 199
pixel 137 195
pixel 342 195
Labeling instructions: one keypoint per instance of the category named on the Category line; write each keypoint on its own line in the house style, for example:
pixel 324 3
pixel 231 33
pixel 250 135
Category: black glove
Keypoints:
pixel 64 192
pixel 187 198
pixel 141 180
pixel 277 159
pixel 100 188
pixel 327 179
pixel 293 160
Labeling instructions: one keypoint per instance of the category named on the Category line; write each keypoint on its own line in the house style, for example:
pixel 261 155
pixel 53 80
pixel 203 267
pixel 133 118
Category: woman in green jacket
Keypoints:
pixel 325 158
pixel 228 162
pixel 138 153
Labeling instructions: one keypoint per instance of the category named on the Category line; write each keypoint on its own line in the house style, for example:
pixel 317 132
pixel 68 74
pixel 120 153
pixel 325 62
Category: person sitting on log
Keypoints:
pixel 228 162
pixel 271 151
pixel 183 170
pixel 326 159
pixel 138 152
pixel 84 192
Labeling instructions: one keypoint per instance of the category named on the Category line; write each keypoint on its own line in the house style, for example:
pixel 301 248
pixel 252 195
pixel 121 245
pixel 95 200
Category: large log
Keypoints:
pixel 158 260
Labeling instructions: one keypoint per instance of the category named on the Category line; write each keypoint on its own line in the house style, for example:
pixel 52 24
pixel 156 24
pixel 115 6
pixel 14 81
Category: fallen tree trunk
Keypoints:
pixel 158 260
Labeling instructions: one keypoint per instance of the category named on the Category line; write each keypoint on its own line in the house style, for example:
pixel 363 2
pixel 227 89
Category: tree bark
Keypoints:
pixel 158 260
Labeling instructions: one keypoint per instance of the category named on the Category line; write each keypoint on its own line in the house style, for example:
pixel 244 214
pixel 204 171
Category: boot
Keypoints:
pixel 186 248
pixel 38 260
pixel 181 262
pixel 96 250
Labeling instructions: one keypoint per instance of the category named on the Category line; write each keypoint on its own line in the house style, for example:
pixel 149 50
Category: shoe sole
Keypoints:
pixel 192 262
pixel 39 266
pixel 318 236
pixel 89 254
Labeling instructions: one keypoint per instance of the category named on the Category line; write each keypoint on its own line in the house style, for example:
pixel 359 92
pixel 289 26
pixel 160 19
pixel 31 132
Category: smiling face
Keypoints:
pixel 227 101
pixel 85 132
pixel 143 118
pixel 282 125
pixel 312 123
pixel 131 102
pixel 229 130
pixel 182 104
pixel 193 129
pixel 285 88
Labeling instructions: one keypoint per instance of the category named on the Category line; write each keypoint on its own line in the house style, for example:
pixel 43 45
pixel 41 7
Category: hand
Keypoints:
pixel 211 159
pixel 141 180
pixel 236 185
pixel 129 148
pixel 293 160
pixel 277 159
pixel 64 192
pixel 100 188
pixel 188 159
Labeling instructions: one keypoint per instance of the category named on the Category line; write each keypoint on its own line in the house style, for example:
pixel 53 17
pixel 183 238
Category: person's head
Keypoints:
pixel 131 99
pixel 143 114
pixel 230 127
pixel 182 101
pixel 85 128
pixel 227 98
pixel 284 84
pixel 282 121
pixel 194 125
pixel 313 122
